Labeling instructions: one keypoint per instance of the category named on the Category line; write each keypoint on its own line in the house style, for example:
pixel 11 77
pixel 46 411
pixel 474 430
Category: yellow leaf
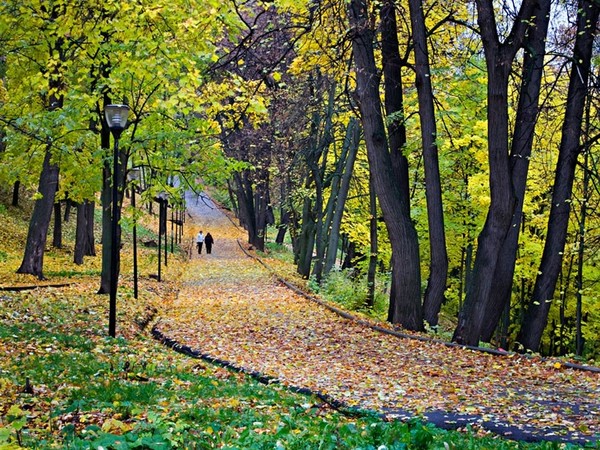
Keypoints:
pixel 114 425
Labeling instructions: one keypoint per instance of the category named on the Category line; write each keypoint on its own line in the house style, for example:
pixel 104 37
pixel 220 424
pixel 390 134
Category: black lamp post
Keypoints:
pixel 134 175
pixel 162 226
pixel 116 118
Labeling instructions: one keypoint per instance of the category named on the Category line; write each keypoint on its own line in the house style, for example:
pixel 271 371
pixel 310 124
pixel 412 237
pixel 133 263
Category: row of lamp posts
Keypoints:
pixel 116 118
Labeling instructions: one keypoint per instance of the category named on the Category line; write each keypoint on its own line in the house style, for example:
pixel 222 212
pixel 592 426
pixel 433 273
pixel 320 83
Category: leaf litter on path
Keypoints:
pixel 231 308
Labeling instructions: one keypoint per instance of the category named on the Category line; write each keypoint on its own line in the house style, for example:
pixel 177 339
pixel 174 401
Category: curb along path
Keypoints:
pixel 233 311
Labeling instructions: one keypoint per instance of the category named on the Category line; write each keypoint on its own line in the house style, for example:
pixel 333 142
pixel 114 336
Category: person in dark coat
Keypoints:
pixel 208 241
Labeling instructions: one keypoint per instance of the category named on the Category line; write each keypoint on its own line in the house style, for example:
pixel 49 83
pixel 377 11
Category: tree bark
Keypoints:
pixel 372 272
pixel 57 231
pixel 351 143
pixel 90 247
pixel 394 99
pixel 84 233
pixel 15 196
pixel 536 316
pixel 499 59
pixel 105 200
pixel 80 242
pixel 306 238
pixel 526 118
pixel 438 264
pixel 405 302
pixel 33 259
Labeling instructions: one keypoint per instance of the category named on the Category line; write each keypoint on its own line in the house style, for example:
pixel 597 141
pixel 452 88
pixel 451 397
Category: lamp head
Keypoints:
pixel 116 118
pixel 134 174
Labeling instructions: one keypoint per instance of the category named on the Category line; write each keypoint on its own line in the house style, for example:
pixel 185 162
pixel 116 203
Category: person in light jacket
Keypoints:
pixel 199 241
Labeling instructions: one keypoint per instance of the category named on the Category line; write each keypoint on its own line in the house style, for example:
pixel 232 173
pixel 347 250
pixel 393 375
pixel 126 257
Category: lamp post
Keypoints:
pixel 116 118
pixel 162 226
pixel 134 175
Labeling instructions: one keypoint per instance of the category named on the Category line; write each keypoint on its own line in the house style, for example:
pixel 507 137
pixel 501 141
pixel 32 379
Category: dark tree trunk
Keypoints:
pixel 438 264
pixel 84 234
pixel 105 200
pixel 261 208
pixel 351 143
pixel 322 218
pixel 232 199
pixel 536 317
pixel 373 243
pixel 306 239
pixel 527 114
pixel 90 247
pixel 499 59
pixel 283 226
pixel 394 100
pixel 250 203
pixel 68 207
pixel 80 231
pixel 405 302
pixel 33 259
pixel 57 231
pixel 349 261
pixel 15 196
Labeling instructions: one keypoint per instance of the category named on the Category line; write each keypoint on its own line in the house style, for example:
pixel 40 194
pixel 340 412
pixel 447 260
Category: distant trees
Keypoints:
pixel 437 165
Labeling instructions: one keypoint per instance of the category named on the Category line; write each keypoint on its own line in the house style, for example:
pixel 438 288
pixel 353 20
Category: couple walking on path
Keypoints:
pixel 207 240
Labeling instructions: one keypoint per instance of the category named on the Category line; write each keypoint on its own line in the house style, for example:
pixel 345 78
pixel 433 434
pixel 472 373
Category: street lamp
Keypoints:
pixel 116 118
pixel 134 175
pixel 163 199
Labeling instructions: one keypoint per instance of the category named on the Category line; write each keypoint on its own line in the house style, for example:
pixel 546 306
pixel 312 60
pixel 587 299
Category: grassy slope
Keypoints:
pixel 65 384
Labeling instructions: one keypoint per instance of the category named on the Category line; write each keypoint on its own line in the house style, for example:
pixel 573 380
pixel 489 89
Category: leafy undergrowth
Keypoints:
pixel 65 384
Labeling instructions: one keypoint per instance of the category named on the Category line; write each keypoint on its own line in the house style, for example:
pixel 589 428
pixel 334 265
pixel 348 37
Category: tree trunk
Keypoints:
pixel 57 231
pixel 406 277
pixel 68 207
pixel 84 234
pixel 323 144
pixel 15 196
pixel 105 200
pixel 499 59
pixel 351 143
pixel 80 231
pixel 373 244
pixel 306 239
pixel 536 317
pixel 438 264
pixel 394 100
pixel 90 247
pixel 261 208
pixel 33 259
pixel 527 114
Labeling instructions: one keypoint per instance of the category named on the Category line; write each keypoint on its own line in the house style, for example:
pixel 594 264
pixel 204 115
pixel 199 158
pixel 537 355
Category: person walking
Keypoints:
pixel 199 241
pixel 209 241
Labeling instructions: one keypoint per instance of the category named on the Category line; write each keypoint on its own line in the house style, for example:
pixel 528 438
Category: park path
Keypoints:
pixel 232 309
